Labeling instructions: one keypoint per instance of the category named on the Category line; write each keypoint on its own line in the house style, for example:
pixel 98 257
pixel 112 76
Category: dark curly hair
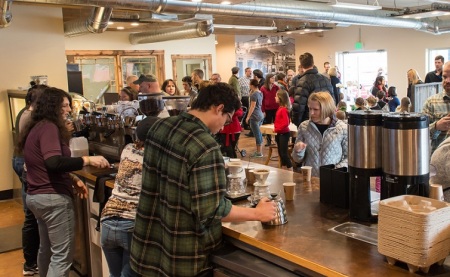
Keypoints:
pixel 214 95
pixel 48 107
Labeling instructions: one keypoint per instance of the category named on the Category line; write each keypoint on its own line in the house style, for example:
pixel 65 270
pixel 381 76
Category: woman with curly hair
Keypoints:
pixel 45 144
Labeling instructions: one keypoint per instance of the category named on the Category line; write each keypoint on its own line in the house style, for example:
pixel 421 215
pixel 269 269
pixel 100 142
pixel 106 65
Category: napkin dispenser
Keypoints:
pixel 334 186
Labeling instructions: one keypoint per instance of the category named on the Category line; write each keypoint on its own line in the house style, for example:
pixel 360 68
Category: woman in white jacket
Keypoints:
pixel 323 138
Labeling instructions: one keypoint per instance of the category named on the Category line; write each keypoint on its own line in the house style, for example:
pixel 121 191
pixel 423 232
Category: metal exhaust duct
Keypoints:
pixel 285 9
pixel 96 23
pixel 189 30
pixel 5 13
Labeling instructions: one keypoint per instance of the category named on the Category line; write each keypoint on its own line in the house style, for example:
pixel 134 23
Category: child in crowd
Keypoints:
pixel 281 127
pixel 394 102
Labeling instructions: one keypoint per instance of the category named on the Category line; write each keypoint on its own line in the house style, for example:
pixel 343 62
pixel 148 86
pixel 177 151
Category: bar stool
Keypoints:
pixel 271 149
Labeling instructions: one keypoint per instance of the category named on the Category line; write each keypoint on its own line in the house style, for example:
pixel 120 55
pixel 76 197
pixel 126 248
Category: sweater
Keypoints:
pixel 282 121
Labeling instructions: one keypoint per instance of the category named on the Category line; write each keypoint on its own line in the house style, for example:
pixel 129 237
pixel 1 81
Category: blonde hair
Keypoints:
pixel 405 104
pixel 326 102
pixel 332 71
pixel 283 98
pixel 413 76
pixel 341 115
pixel 371 100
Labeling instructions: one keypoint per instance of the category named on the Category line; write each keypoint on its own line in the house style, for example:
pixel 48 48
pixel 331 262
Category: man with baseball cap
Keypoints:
pixel 148 84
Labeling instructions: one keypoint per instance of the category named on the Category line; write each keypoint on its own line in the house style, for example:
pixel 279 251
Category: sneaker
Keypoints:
pixel 249 135
pixel 257 155
pixel 30 270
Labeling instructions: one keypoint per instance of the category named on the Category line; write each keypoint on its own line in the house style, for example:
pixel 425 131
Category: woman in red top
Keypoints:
pixel 281 127
pixel 229 135
pixel 269 105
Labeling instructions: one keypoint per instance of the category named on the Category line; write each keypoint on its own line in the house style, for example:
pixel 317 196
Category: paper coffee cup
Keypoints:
pixel 249 175
pixel 306 173
pixel 289 189
pixel 436 192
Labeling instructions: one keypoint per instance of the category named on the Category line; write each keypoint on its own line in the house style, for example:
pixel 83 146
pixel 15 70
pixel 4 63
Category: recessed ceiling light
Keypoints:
pixel 110 23
pixel 120 28
pixel 225 3
pixel 134 24
pixel 196 1
pixel 288 33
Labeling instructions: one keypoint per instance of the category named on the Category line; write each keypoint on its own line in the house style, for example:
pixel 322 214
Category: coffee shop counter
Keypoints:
pixel 304 245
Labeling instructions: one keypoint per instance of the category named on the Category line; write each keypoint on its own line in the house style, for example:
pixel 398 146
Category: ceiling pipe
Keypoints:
pixel 96 23
pixel 189 30
pixel 5 13
pixel 285 9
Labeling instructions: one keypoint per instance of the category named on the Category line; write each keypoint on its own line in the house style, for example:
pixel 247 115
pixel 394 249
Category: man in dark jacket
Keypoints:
pixel 311 81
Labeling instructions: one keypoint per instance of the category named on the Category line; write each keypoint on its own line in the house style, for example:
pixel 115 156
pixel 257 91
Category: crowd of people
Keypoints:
pixel 165 213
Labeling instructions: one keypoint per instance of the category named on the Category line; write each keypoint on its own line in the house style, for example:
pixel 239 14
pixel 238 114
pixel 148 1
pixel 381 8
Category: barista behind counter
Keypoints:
pixel 149 86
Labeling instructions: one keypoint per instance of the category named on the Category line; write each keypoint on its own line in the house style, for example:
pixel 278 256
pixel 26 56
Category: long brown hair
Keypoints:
pixel 48 107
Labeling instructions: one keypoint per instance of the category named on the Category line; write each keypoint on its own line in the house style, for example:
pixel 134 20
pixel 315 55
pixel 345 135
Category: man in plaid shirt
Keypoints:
pixel 437 108
pixel 182 204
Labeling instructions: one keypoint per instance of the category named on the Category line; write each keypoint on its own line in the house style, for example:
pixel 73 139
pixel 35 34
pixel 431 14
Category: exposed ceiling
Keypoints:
pixel 127 12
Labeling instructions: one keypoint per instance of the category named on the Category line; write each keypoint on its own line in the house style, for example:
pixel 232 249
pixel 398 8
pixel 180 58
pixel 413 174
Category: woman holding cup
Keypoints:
pixel 323 138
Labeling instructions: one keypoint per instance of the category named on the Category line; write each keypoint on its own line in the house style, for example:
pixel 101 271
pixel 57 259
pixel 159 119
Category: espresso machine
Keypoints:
pixel 406 155
pixel 364 162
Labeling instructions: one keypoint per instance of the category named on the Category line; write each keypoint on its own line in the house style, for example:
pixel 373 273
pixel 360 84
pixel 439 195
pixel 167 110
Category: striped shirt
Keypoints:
pixel 436 107
pixel 178 222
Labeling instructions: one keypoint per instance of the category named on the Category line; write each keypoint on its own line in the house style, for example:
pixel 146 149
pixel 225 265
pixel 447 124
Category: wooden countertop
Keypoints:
pixel 305 240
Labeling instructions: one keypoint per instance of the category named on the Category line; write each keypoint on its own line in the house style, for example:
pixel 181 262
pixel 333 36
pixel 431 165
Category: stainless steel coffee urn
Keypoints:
pixel 364 161
pixel 406 155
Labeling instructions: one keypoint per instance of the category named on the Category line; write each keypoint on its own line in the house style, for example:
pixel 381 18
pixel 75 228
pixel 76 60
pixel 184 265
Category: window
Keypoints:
pixel 359 70
pixel 432 53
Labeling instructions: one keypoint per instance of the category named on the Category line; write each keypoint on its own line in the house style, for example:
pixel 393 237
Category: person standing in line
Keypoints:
pixel 244 85
pixel 413 79
pixel 326 67
pixel 255 116
pixel 394 102
pixel 197 79
pixel 294 80
pixel 30 230
pixel 435 76
pixel 130 83
pixel 119 213
pixel 189 89
pixel 215 78
pixel 148 84
pixel 45 144
pixel 234 81
pixel 269 105
pixel 229 135
pixel 258 75
pixel 182 203
pixel 380 84
pixel 323 139
pixel 169 88
pixel 311 81
pixel 332 73
pixel 127 94
pixel 437 108
pixel 281 127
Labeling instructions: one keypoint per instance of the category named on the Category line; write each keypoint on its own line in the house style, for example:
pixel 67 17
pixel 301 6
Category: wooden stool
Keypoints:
pixel 272 147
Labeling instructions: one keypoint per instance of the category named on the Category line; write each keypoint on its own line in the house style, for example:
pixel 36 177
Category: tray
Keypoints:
pixel 357 231
pixel 237 197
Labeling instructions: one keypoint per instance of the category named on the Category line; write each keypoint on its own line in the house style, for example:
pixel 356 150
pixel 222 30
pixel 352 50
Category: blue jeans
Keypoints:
pixel 254 125
pixel 116 234
pixel 30 229
pixel 56 221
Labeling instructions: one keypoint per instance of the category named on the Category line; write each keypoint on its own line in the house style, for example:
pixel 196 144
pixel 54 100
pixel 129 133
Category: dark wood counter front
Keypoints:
pixel 305 240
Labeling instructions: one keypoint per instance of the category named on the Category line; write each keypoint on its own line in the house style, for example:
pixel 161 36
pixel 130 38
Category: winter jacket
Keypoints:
pixel 311 81
pixel 332 148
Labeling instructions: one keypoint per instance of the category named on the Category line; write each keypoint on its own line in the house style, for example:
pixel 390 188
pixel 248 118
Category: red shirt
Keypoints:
pixel 233 127
pixel 282 121
pixel 269 102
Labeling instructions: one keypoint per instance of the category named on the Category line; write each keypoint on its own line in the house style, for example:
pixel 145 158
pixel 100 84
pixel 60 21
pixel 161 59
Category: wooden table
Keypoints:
pixel 268 129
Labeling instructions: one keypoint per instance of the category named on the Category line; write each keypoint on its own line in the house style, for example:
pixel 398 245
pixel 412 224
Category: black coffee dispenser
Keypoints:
pixel 364 161
pixel 406 155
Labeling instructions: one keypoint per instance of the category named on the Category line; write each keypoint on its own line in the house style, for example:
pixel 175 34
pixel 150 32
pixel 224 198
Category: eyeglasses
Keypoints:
pixel 229 119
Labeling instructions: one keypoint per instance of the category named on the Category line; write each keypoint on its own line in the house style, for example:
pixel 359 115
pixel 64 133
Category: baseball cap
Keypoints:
pixel 145 78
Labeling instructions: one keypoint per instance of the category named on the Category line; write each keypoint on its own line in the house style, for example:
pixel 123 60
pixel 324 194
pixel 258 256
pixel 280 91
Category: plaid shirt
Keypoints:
pixel 178 222
pixel 244 84
pixel 436 107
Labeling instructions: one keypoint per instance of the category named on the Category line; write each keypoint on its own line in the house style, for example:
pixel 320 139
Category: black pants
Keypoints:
pixel 30 232
pixel 283 154
pixel 230 150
